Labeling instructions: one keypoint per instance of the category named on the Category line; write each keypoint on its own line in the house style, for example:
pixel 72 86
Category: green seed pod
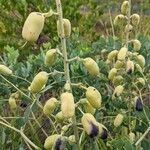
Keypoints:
pixel 94 97
pixel 59 116
pixel 141 80
pixel 128 28
pixel 71 139
pixel 136 45
pixel 112 55
pixel 118 120
pixel 125 7
pixel 33 26
pixel 135 19
pixel 132 137
pixel 112 73
pixel 130 67
pixel 12 103
pixel 122 53
pixel 67 28
pixel 141 60
pixel 119 64
pixel 49 142
pixel 50 57
pixel 119 20
pixel 50 106
pixel 5 70
pixel 90 125
pixel 38 82
pixel 103 132
pixel 117 80
pixel 67 105
pixel 118 90
pixel 91 66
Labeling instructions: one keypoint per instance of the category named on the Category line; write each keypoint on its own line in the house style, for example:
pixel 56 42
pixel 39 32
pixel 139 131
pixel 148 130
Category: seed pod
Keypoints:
pixel 141 80
pixel 38 82
pixel 136 45
pixel 112 73
pixel 138 68
pixel 117 80
pixel 59 116
pixel 128 28
pixel 132 137
pixel 130 67
pixel 59 144
pixel 118 90
pixel 141 60
pixel 122 53
pixel 33 26
pixel 71 139
pixel 50 106
pixel 138 104
pixel 90 125
pixel 125 7
pixel 5 70
pixel 124 130
pixel 103 132
pixel 94 97
pixel 112 55
pixel 50 141
pixel 135 19
pixel 119 20
pixel 67 28
pixel 50 57
pixel 91 66
pixel 119 64
pixel 12 103
pixel 67 105
pixel 118 120
pixel 89 108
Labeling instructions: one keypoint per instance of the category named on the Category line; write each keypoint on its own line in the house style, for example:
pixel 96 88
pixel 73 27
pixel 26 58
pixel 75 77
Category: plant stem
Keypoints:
pixel 66 64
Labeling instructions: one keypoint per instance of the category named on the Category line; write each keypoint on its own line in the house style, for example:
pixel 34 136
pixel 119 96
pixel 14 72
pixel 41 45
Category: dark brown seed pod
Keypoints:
pixel 138 104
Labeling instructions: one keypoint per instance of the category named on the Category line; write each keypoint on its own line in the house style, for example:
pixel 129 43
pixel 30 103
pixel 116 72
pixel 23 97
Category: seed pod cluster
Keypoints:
pixel 67 105
pixel 90 125
pixel 59 116
pixel 122 54
pixel 118 120
pixel 50 106
pixel 4 70
pixel 33 26
pixel 91 66
pixel 138 104
pixel 119 20
pixel 94 97
pixel 50 57
pixel 118 80
pixel 135 19
pixel 125 7
pixel 67 28
pixel 112 55
pixel 38 82
pixel 130 67
pixel 112 73
pixel 136 45
pixel 119 64
pixel 118 90
pixel 141 61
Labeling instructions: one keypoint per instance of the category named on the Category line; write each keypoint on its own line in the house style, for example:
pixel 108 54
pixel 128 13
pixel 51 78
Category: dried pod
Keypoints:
pixel 67 28
pixel 141 80
pixel 125 7
pixel 141 60
pixel 135 19
pixel 59 116
pixel 112 55
pixel 118 120
pixel 33 26
pixel 130 67
pixel 50 106
pixel 50 57
pixel 117 80
pixel 122 53
pixel 67 105
pixel 12 103
pixel 119 64
pixel 4 70
pixel 119 20
pixel 94 97
pixel 103 132
pixel 136 45
pixel 118 90
pixel 91 66
pixel 132 137
pixel 138 104
pixel 90 125
pixel 128 28
pixel 38 82
pixel 112 73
